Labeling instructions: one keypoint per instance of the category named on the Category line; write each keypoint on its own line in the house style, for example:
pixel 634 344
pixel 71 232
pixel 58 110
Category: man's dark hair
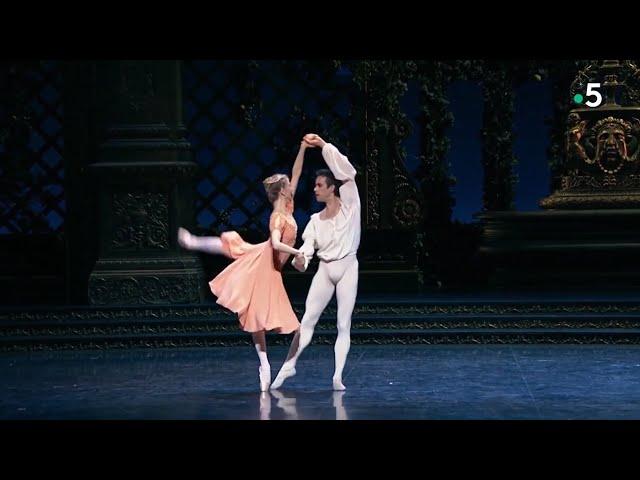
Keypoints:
pixel 331 180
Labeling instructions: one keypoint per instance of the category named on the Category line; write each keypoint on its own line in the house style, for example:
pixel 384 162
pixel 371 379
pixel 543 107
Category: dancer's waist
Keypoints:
pixel 348 256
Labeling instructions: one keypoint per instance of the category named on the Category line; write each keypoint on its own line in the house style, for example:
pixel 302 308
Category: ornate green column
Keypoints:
pixel 391 203
pixel 497 138
pixel 143 177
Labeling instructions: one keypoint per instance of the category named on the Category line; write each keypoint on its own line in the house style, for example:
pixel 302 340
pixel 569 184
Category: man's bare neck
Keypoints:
pixel 331 210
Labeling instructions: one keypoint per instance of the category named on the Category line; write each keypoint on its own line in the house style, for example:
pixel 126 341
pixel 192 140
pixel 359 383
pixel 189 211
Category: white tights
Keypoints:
pixel 340 276
pixel 201 244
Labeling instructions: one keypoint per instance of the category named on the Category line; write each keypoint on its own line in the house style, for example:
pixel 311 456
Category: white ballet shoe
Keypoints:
pixel 265 379
pixel 338 385
pixel 184 238
pixel 283 374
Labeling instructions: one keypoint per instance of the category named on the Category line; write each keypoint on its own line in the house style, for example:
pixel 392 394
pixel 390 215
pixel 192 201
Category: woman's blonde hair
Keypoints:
pixel 273 185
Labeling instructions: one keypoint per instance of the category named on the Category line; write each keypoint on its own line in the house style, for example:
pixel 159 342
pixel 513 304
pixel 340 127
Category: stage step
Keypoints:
pixel 375 321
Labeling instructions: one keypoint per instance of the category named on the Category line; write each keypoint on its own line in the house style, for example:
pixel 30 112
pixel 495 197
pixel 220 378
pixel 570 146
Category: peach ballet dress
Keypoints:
pixel 252 285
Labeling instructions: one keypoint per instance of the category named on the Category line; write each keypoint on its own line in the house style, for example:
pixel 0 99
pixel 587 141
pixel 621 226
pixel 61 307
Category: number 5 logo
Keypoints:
pixel 594 93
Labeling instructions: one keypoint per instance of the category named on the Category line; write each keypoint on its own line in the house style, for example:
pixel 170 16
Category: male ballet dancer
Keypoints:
pixel 335 233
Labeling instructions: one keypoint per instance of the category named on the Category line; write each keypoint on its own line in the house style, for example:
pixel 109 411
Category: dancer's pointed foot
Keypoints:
pixel 283 374
pixel 184 238
pixel 265 378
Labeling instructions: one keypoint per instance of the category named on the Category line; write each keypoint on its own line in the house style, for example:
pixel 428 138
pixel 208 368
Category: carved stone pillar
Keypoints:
pixel 144 182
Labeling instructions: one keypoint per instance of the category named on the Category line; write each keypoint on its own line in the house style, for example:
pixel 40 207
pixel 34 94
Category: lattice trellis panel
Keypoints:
pixel 31 143
pixel 245 121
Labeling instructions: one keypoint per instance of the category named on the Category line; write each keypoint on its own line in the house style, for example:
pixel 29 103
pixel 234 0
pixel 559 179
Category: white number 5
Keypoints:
pixel 595 93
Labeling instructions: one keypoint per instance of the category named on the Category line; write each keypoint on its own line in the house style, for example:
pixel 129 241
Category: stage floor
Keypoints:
pixel 383 382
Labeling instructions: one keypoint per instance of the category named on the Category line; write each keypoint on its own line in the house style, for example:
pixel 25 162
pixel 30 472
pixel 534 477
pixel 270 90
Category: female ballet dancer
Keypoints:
pixel 252 285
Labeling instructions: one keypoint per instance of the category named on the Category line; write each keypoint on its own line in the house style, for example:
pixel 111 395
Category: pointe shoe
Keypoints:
pixel 338 385
pixel 184 237
pixel 283 374
pixel 265 379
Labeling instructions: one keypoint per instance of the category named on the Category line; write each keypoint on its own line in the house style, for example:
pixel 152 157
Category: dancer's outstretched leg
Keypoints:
pixel 293 348
pixel 288 367
pixel 320 294
pixel 201 244
pixel 264 372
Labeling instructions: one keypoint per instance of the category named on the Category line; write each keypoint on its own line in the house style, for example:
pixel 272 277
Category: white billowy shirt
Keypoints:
pixel 337 237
